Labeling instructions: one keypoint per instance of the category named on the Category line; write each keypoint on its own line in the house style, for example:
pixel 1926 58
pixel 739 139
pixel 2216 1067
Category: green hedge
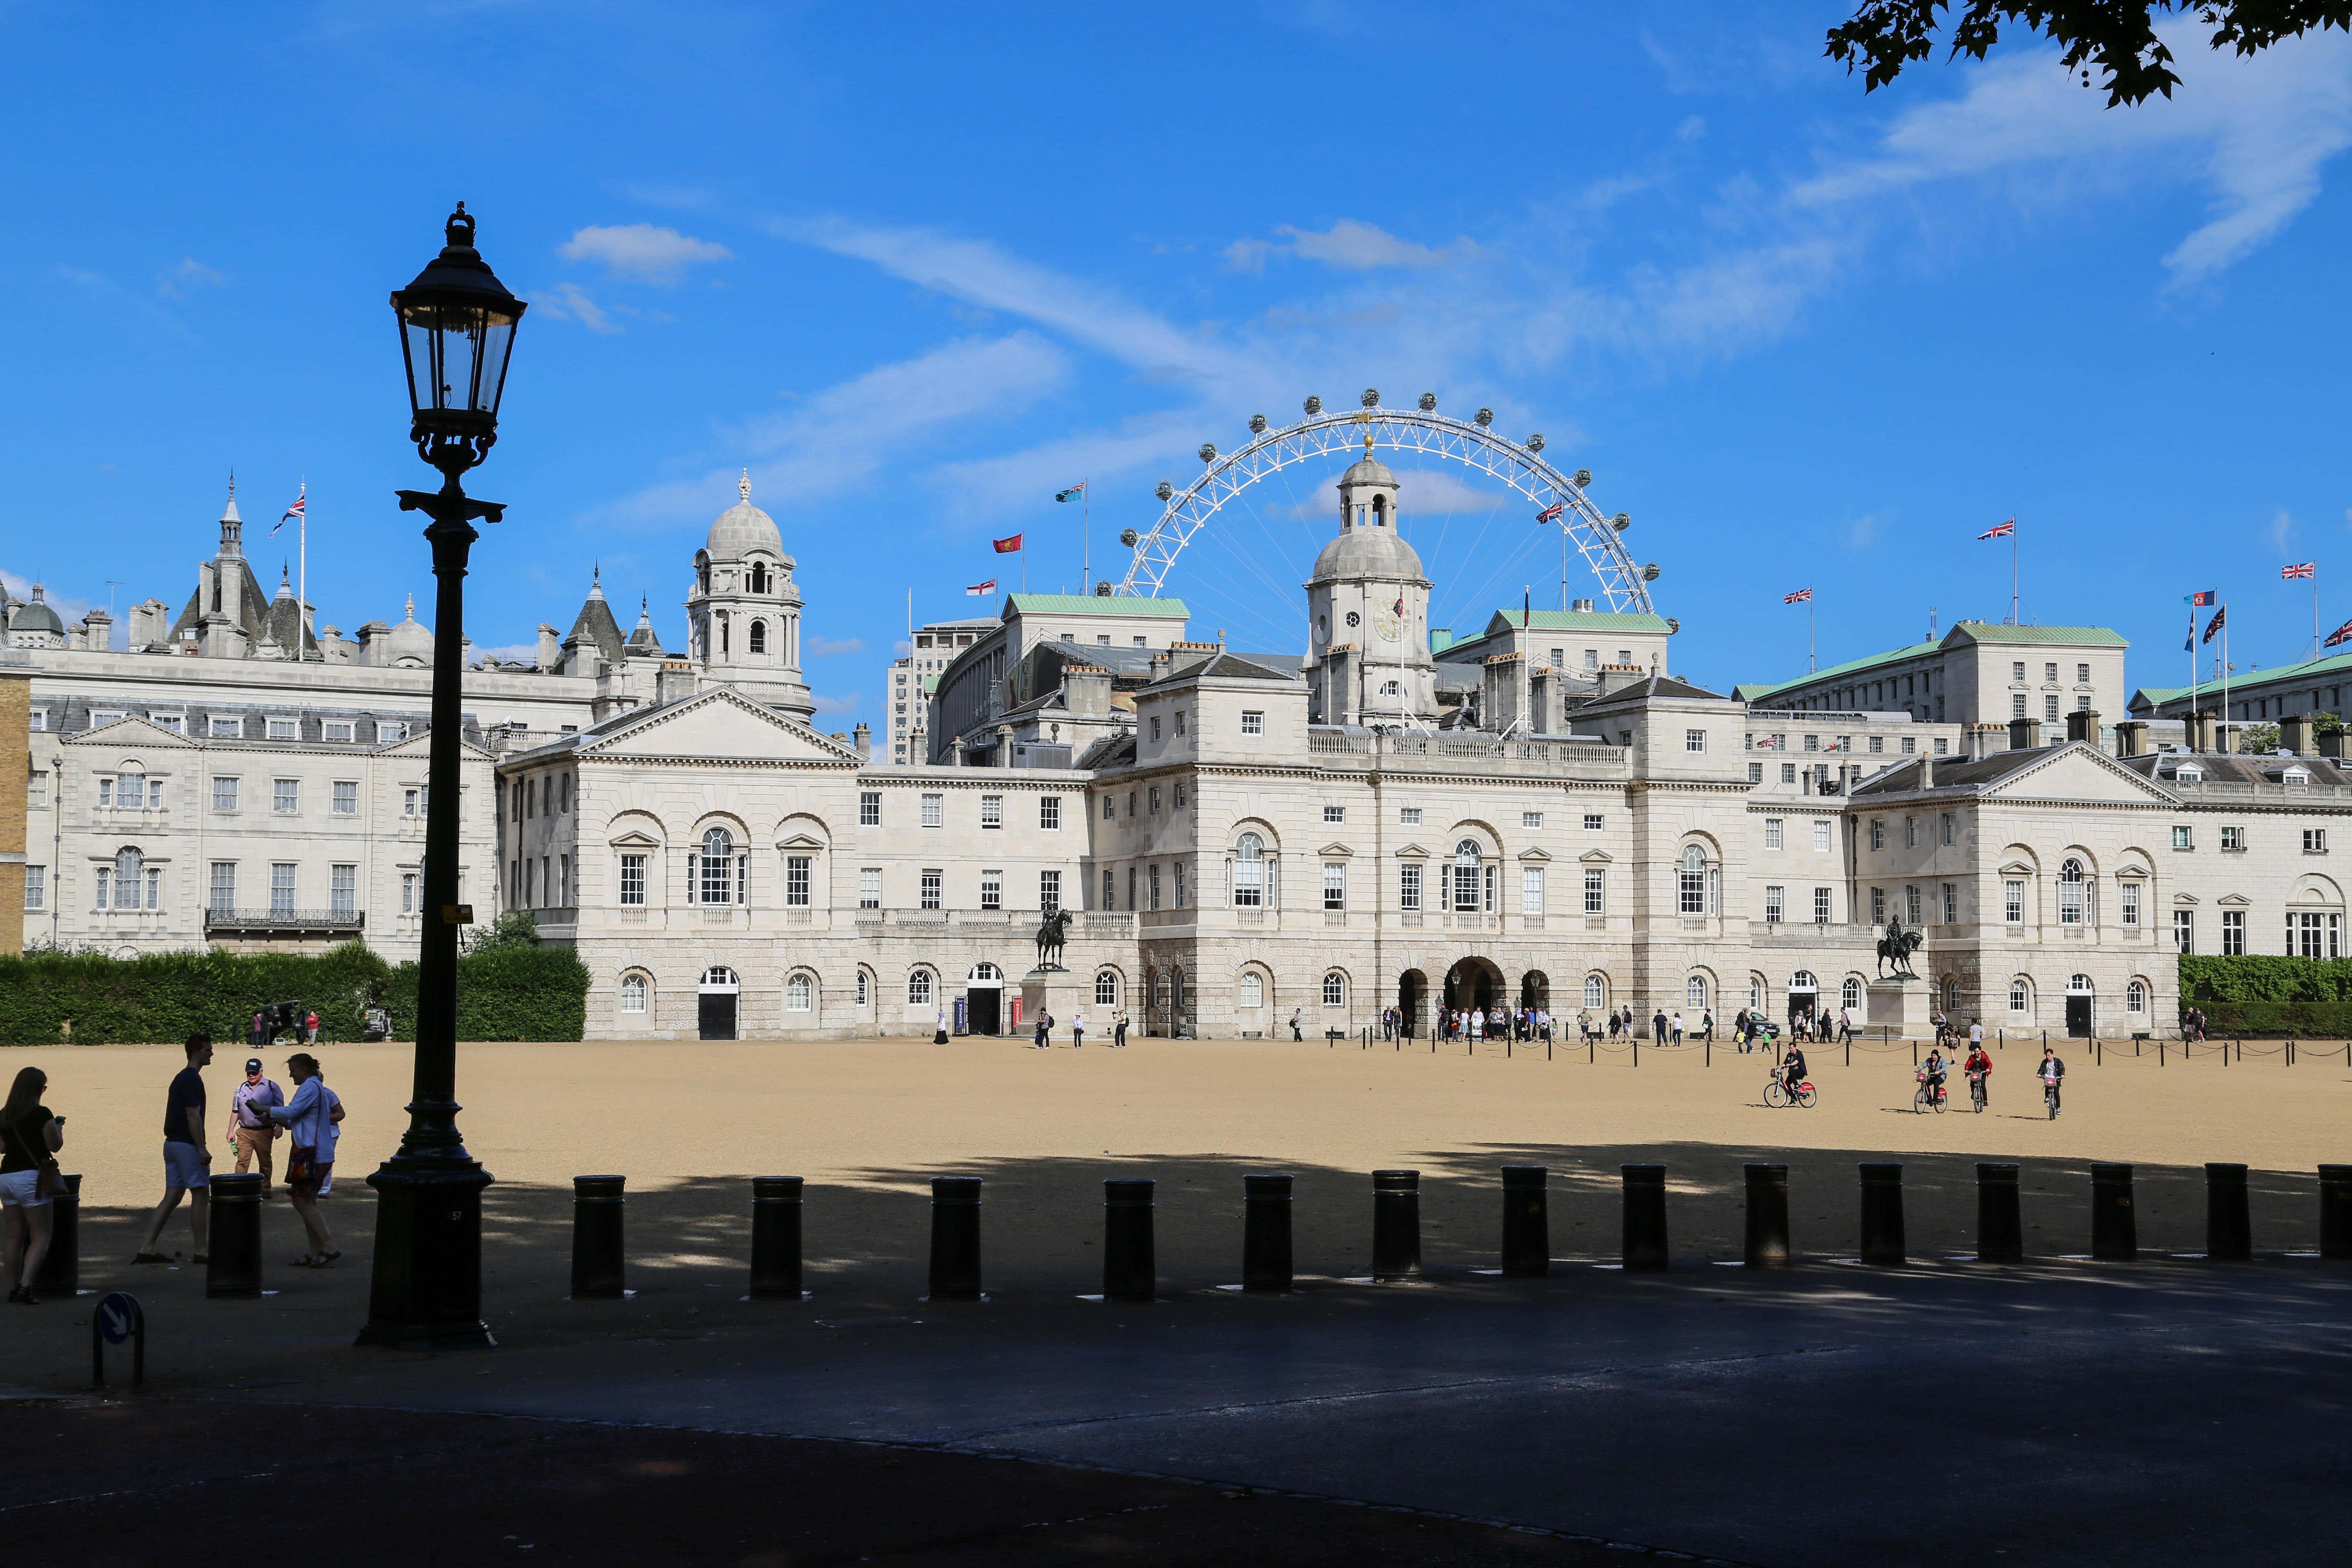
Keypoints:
pixel 2304 1020
pixel 503 993
pixel 2263 978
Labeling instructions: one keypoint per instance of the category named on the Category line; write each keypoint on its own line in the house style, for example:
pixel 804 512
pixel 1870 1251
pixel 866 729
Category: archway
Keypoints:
pixel 1535 990
pixel 1473 983
pixel 1412 1000
pixel 984 1000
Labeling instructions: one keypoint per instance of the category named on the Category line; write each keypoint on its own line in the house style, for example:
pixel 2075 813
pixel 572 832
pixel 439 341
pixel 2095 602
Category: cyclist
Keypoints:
pixel 2050 1072
pixel 1979 1067
pixel 1792 1070
pixel 1932 1075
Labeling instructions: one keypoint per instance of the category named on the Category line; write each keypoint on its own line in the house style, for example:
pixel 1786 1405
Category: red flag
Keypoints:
pixel 1007 546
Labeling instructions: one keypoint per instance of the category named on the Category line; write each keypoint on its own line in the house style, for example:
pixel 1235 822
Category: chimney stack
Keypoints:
pixel 2082 725
pixel 2131 738
pixel 2295 734
pixel 551 650
pixel 2022 736
pixel 864 740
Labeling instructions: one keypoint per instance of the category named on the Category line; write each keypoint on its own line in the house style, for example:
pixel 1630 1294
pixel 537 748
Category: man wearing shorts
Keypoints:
pixel 187 1161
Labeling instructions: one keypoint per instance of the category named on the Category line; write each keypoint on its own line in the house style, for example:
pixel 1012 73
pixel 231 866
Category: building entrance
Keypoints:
pixel 715 1007
pixel 1413 1001
pixel 1472 983
pixel 984 1000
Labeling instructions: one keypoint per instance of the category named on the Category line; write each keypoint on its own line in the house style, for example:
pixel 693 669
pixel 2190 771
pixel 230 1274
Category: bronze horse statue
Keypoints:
pixel 1050 936
pixel 1896 948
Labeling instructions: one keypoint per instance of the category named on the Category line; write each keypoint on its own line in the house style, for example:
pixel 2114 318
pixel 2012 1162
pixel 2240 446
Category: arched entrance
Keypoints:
pixel 715 1006
pixel 1535 990
pixel 1413 1001
pixel 984 1000
pixel 2079 995
pixel 1473 983
pixel 1804 997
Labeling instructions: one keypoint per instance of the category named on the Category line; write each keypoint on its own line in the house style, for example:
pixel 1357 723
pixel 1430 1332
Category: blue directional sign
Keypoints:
pixel 117 1313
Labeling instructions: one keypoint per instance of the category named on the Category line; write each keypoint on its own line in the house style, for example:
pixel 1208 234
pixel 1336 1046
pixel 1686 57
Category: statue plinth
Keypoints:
pixel 1900 1003
pixel 1056 991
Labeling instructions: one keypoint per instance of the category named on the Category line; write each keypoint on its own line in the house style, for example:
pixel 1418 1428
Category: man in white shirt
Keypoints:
pixel 1078 1029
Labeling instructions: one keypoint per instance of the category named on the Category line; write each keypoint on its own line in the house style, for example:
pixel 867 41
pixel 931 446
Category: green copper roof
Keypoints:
pixel 1578 621
pixel 1093 605
pixel 2077 637
pixel 1835 671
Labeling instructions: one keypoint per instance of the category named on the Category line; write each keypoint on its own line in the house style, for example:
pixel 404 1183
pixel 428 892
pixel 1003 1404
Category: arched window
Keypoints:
pixel 918 988
pixel 1335 990
pixel 2070 893
pixel 1754 992
pixel 985 971
pixel 130 875
pixel 719 974
pixel 2020 996
pixel 759 637
pixel 1596 990
pixel 2078 985
pixel 2135 997
pixel 1465 876
pixel 1253 989
pixel 1249 871
pixel 1692 880
pixel 715 873
pixel 1106 988
pixel 1695 992
pixel 865 988
pixel 633 993
pixel 1391 688
pixel 722 634
pixel 1850 993
pixel 1803 981
pixel 797 993
pixel 758 581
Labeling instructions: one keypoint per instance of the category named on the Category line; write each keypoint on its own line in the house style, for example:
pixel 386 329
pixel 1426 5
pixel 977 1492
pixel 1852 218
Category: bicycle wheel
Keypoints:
pixel 1940 1103
pixel 1776 1093
pixel 1920 1100
pixel 1977 1099
pixel 1806 1096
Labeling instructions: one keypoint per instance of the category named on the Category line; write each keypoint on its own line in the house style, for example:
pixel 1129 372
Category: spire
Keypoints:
pixel 411 608
pixel 596 581
pixel 743 485
pixel 232 526
pixel 285 582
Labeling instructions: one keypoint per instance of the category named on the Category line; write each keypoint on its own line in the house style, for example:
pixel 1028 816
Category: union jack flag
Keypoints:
pixel 294 513
pixel 1553 513
pixel 2342 634
pixel 2002 531
pixel 2220 618
pixel 2301 569
pixel 1801 596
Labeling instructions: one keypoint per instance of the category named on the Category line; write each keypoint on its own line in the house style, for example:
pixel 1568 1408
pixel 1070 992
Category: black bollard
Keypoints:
pixel 1527 1222
pixel 2229 1231
pixel 2115 1218
pixel 1396 1224
pixel 597 1271
pixel 1768 1217
pixel 60 1272
pixel 955 1238
pixel 1130 1272
pixel 1643 1245
pixel 1266 1234
pixel 1882 1213
pixel 2001 1232
pixel 233 1265
pixel 776 1238
pixel 2334 1213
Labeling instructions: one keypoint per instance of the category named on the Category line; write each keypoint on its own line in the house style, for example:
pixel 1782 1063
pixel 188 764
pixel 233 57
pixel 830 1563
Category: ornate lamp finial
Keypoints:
pixel 743 485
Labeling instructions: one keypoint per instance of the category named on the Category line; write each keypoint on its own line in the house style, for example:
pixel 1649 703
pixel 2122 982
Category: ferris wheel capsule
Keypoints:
pixel 1650 572
pixel 1258 424
pixel 1429 402
pixel 1128 537
pixel 1536 442
pixel 1584 478
pixel 1163 489
pixel 1622 521
pixel 1314 405
pixel 1208 451
pixel 1372 397
pixel 1484 417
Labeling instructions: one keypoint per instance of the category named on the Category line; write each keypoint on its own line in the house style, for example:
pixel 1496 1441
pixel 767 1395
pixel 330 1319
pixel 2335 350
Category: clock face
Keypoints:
pixel 1389 624
pixel 1353 619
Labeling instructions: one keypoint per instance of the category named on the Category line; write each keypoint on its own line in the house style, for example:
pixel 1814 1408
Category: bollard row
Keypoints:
pixel 1129 1261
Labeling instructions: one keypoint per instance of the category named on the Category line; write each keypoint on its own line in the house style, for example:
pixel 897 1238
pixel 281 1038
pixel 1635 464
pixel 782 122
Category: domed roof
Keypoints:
pixel 1369 470
pixel 743 528
pixel 1368 552
pixel 36 617
pixel 409 640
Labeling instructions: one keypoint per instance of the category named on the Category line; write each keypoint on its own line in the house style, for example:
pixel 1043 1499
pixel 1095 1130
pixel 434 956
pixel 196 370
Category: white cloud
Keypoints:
pixel 841 705
pixel 643 251
pixel 830 647
pixel 570 302
pixel 2281 530
pixel 69 609
pixel 188 275
pixel 1350 245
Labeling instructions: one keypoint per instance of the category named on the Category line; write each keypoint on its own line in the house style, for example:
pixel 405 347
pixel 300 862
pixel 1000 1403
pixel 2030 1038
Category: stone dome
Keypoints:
pixel 1369 470
pixel 744 528
pixel 36 617
pixel 1368 552
pixel 409 640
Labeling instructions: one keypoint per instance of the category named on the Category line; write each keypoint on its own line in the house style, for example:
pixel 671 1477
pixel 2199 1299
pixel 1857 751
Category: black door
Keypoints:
pixel 980 1011
pixel 716 1014
pixel 2078 1017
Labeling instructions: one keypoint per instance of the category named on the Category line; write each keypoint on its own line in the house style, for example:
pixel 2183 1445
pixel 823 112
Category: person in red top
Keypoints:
pixel 1979 1067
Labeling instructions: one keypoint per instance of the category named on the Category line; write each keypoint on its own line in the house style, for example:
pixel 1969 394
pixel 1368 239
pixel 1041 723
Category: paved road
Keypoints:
pixel 2157 1413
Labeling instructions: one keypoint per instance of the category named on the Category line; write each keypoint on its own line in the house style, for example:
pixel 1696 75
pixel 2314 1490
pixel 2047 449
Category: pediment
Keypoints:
pixel 1412 852
pixel 2018 869
pixel 1534 856
pixel 2184 898
pixel 1596 857
pixel 801 841
pixel 722 726
pixel 2080 772
pixel 1336 852
pixel 2235 901
pixel 636 840
pixel 133 730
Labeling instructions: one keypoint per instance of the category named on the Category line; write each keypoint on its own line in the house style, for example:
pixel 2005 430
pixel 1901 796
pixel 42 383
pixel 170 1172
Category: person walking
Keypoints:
pixel 307 1118
pixel 310 1027
pixel 1658 1026
pixel 30 1137
pixel 1975 1034
pixel 334 1140
pixel 1674 1025
pixel 250 1131
pixel 1077 1030
pixel 260 1035
pixel 1118 1031
pixel 187 1161
pixel 1294 1025
pixel 1706 1025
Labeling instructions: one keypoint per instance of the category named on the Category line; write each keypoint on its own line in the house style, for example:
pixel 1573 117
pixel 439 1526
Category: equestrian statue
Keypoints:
pixel 1896 948
pixel 1050 936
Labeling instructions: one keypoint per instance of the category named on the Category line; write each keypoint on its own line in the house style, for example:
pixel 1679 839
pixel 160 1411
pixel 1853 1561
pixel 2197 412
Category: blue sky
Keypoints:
pixel 920 267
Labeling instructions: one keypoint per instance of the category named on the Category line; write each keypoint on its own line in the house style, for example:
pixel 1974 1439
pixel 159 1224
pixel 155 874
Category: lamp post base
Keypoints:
pixel 426 1290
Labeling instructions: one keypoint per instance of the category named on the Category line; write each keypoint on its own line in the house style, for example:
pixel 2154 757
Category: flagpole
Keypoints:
pixel 2314 613
pixel 2012 571
pixel 1085 539
pixel 2189 731
pixel 1808 632
pixel 302 575
pixel 2222 739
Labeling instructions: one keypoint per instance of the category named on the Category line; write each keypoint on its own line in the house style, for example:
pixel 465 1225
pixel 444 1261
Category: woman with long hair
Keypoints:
pixel 30 1140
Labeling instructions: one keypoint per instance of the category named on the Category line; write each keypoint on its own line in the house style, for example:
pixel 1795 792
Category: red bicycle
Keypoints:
pixel 1930 1096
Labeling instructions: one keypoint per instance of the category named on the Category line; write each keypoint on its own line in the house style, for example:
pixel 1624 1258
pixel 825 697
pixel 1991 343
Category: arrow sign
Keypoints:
pixel 116 1314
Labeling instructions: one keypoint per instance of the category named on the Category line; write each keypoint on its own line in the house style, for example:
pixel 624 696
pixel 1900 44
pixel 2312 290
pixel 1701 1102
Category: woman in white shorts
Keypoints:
pixel 30 1140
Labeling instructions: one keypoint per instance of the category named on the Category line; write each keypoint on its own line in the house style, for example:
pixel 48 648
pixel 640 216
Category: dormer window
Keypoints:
pixel 2296 778
pixel 2189 773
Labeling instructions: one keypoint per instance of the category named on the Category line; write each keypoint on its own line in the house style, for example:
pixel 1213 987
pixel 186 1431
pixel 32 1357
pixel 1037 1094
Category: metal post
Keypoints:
pixel 2115 1221
pixel 1527 1223
pixel 233 1266
pixel 1130 1270
pixel 2335 1213
pixel 2228 1230
pixel 1644 1246
pixel 1266 1234
pixel 1767 1216
pixel 2000 1233
pixel 776 1238
pixel 598 1269
pixel 1882 1213
pixel 955 1238
pixel 60 1272
pixel 1396 1224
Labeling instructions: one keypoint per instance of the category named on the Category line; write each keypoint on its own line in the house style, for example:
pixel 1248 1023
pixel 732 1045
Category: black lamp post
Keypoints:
pixel 456 329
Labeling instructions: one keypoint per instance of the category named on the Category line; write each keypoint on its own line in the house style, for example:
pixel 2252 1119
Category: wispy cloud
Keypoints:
pixel 69 609
pixel 106 291
pixel 570 302
pixel 832 648
pixel 840 705
pixel 188 277
pixel 1349 243
pixel 2281 530
pixel 644 252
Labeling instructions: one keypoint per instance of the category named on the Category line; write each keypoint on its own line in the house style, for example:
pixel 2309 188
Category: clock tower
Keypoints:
pixel 1368 604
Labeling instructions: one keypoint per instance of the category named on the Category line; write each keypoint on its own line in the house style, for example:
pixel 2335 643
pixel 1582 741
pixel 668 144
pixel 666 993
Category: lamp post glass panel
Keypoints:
pixel 456 330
